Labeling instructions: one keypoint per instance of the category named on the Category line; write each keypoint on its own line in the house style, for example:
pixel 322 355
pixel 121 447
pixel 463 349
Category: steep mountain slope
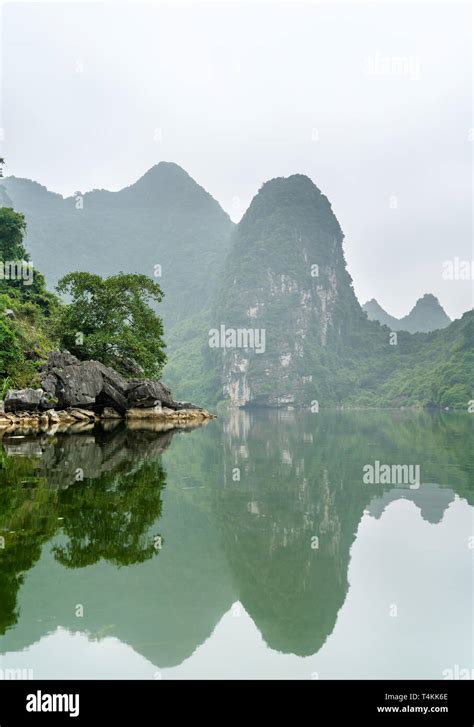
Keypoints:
pixel 278 322
pixel 285 277
pixel 375 312
pixel 165 225
pixel 426 315
pixel 286 281
pixel 5 200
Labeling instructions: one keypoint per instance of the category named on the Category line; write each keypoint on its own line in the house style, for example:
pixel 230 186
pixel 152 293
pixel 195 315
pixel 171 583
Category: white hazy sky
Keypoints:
pixel 93 94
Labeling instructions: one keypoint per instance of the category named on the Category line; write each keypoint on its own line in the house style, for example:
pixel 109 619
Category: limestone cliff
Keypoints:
pixel 287 286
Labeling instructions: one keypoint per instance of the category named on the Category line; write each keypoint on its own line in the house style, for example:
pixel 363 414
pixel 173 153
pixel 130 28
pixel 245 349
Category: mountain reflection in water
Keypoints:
pixel 158 534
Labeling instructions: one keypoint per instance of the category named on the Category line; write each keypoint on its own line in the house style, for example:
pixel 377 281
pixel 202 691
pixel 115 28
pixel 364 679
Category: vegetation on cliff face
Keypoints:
pixel 424 369
pixel 192 367
pixel 27 309
pixel 285 274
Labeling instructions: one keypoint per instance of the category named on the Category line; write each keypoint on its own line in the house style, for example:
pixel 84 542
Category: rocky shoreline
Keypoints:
pixel 79 394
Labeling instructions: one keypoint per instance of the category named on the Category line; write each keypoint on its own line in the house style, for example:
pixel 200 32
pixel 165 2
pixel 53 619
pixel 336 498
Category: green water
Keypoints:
pixel 249 548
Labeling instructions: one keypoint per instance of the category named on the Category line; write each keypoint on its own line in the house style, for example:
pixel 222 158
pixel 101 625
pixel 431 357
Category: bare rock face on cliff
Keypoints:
pixel 286 299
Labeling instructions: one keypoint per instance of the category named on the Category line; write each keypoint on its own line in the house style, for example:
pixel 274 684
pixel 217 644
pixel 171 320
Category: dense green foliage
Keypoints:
pixel 112 321
pixel 26 307
pixel 320 346
pixel 336 355
pixel 193 369
pixel 424 369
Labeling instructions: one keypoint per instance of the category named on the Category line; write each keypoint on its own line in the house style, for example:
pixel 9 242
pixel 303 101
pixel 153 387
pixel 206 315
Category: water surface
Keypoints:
pixel 249 548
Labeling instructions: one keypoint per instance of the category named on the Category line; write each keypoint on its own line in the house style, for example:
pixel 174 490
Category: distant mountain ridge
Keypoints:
pixel 286 275
pixel 280 273
pixel 426 315
pixel 164 225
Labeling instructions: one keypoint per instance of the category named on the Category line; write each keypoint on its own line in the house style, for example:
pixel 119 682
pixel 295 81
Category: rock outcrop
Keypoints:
pixel 148 393
pixel 68 382
pixel 84 392
pixel 23 399
pixel 286 298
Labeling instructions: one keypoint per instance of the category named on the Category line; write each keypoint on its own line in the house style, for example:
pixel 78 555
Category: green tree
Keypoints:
pixel 29 288
pixel 10 351
pixel 112 320
pixel 25 333
pixel 12 231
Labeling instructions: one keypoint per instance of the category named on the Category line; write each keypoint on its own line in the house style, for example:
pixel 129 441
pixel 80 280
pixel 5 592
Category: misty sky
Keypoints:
pixel 95 94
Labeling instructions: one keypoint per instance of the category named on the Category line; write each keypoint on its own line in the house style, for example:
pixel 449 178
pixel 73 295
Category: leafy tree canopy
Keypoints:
pixel 112 320
pixel 12 230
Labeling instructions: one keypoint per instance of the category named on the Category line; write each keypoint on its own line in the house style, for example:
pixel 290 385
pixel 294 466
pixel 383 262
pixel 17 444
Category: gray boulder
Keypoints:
pixel 48 382
pixel 187 405
pixel 76 385
pixel 23 399
pixel 70 383
pixel 60 359
pixel 148 393
pixel 86 384
pixel 114 389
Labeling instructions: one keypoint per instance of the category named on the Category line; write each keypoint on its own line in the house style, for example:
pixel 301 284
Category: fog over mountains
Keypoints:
pixel 280 274
pixel 164 225
pixel 426 315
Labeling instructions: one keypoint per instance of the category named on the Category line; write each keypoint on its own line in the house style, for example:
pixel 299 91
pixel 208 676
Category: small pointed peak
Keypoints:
pixel 298 182
pixel 167 168
pixel 297 195
pixel 428 298
pixel 373 303
pixel 164 172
